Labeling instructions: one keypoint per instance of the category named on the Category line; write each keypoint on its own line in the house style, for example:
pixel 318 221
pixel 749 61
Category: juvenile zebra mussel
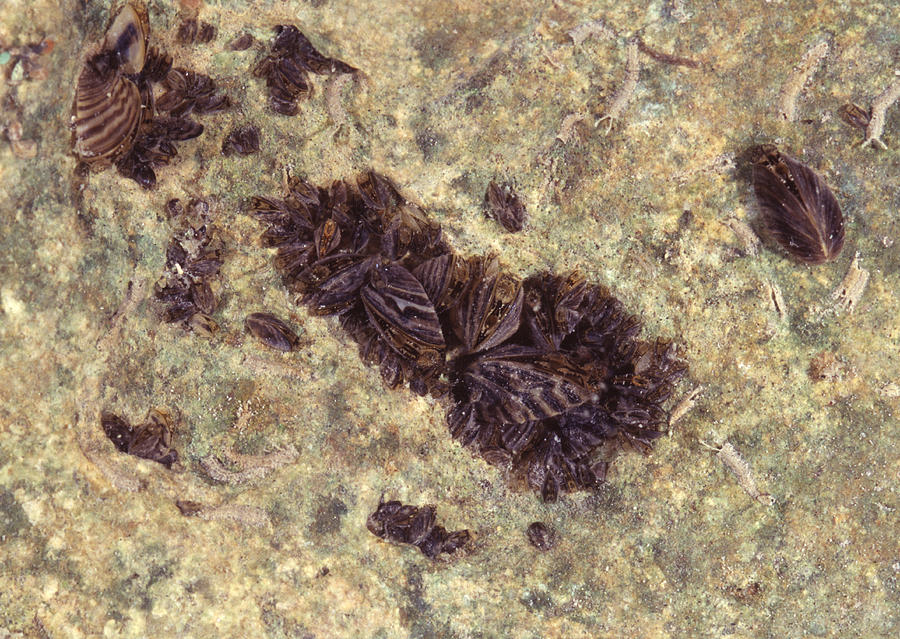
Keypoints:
pixel 403 524
pixel 242 140
pixel 503 204
pixel 193 259
pixel 546 375
pixel 116 118
pixel 192 30
pixel 287 67
pixel 271 331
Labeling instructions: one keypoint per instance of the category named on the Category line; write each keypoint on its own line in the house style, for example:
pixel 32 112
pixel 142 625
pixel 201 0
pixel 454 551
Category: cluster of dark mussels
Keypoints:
pixel 116 117
pixel 287 67
pixel 546 375
pixel 151 440
pixel 415 525
pixel 193 259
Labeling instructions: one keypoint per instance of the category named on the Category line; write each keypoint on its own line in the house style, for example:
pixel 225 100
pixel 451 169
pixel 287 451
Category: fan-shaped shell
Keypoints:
pixel 127 34
pixel 106 114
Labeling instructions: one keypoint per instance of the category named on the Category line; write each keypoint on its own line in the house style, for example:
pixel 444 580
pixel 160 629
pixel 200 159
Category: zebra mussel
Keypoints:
pixel 150 440
pixel 106 112
pixel 798 209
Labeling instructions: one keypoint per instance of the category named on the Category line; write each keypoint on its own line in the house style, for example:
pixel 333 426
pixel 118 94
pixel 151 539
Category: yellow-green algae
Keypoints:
pixel 457 93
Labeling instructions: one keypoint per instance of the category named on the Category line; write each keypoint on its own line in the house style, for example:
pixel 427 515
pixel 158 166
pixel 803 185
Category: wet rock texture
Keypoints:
pixel 449 96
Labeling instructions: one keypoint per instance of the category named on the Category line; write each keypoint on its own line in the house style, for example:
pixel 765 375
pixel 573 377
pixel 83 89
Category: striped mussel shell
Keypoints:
pixel 106 114
pixel 127 34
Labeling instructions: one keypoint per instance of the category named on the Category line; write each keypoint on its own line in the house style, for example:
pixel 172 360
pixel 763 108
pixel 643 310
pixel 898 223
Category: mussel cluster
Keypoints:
pixel 193 258
pixel 117 119
pixel 287 68
pixel 404 524
pixel 151 440
pixel 547 375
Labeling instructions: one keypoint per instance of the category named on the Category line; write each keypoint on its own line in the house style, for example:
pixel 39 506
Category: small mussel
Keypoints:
pixel 798 209
pixel 188 508
pixel 541 536
pixel 151 440
pixel 106 113
pixel 403 524
pixel 192 30
pixel 271 331
pixel 241 43
pixel 242 140
pixel 188 92
pixel 855 116
pixel 504 205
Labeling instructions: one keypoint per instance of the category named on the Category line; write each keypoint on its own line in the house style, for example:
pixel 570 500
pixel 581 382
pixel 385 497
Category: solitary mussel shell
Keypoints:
pixel 271 331
pixel 798 209
pixel 242 140
pixel 503 204
pixel 106 112
pixel 541 536
pixel 855 116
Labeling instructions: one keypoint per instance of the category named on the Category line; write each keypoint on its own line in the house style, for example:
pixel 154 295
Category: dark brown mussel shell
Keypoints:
pixel 117 429
pixel 504 205
pixel 242 140
pixel 540 536
pixel 520 384
pixel 401 312
pixel 492 310
pixel 331 285
pixel 798 209
pixel 153 439
pixel 271 331
pixel 444 279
